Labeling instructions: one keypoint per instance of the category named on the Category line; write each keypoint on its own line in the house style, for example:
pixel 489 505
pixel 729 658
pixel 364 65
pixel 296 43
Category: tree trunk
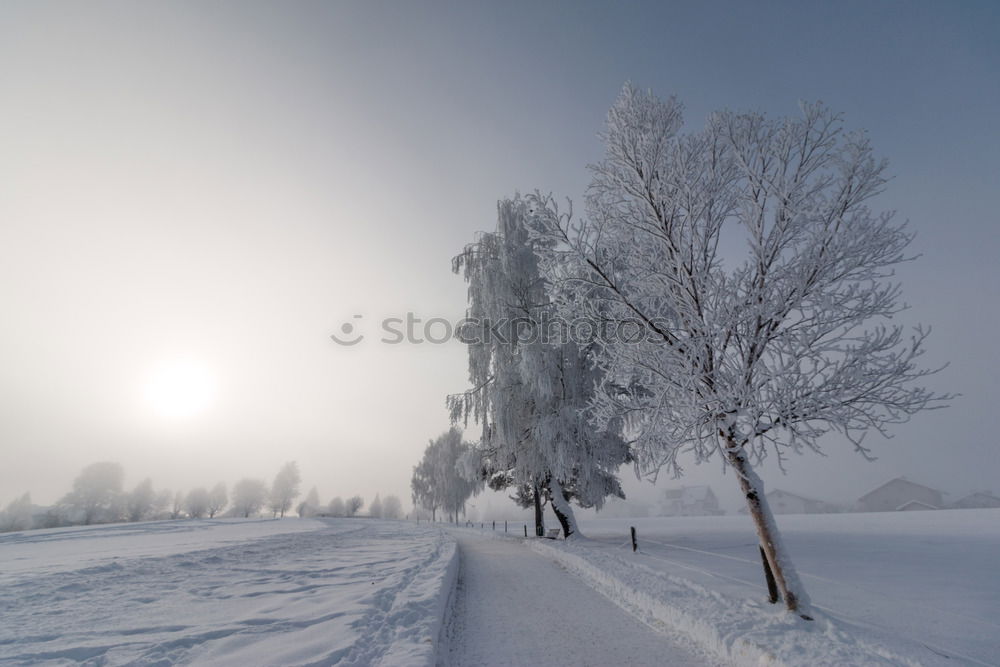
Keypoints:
pixel 782 569
pixel 539 517
pixel 563 510
pixel 772 588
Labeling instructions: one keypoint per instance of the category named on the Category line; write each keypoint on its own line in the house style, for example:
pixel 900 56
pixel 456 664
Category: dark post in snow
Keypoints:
pixel 505 525
pixel 635 544
pixel 772 586
pixel 494 525
pixel 525 530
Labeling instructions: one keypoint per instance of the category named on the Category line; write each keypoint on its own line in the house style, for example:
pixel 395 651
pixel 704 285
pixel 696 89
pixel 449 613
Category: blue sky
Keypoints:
pixel 229 182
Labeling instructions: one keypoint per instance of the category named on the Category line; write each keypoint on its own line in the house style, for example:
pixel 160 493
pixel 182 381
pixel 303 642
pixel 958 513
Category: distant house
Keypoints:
pixel 783 502
pixel 976 500
pixel 901 494
pixel 689 501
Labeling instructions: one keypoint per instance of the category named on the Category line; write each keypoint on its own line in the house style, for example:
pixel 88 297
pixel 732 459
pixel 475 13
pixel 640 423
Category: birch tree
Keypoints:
pixel 141 501
pixel 17 514
pixel 353 505
pixel 309 506
pixel 218 498
pixel 96 493
pixel 285 488
pixel 337 507
pixel 740 357
pixel 423 491
pixel 392 508
pixel 196 503
pixel 249 496
pixel 177 505
pixel 439 481
pixel 375 508
pixel 532 381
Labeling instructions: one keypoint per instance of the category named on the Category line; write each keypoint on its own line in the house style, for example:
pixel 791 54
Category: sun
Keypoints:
pixel 180 389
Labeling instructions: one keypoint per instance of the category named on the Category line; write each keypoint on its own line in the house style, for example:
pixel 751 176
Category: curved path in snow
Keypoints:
pixel 515 607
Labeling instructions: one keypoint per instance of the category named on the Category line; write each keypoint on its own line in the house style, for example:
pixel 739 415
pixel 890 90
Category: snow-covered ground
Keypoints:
pixel 902 588
pixel 228 592
pixel 896 588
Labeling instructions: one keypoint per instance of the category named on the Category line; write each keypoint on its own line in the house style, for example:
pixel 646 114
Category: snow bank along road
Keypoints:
pixel 899 588
pixel 513 606
pixel 230 592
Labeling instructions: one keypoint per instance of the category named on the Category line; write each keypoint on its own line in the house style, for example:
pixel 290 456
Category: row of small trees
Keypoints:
pixel 727 296
pixel 98 496
pixel 389 508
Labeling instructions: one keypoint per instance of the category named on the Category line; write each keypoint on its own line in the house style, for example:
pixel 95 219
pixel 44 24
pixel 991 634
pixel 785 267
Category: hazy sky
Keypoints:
pixel 224 184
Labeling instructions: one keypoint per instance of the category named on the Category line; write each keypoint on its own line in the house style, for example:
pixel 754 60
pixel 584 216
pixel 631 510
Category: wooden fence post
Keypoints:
pixel 635 543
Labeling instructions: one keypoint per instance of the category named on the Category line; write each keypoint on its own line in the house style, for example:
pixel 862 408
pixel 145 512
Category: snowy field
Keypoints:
pixel 226 592
pixel 919 588
pixel 895 588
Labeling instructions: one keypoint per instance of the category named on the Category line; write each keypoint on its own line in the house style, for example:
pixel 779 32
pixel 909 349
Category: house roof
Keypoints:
pixel 896 482
pixel 915 504
pixel 776 492
pixel 979 495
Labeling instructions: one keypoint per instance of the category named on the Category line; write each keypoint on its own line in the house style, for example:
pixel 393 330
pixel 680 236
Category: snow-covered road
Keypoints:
pixel 516 607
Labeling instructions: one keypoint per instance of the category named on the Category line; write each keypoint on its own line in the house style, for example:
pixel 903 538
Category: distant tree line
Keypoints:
pixel 99 496
pixel 388 508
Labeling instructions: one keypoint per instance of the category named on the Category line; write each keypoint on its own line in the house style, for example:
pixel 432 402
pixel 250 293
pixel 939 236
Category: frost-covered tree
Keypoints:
pixel 739 357
pixel 162 502
pixel 422 487
pixel 96 493
pixel 196 503
pixel 140 504
pixel 249 496
pixel 440 481
pixel 580 459
pixel 353 505
pixel 285 489
pixel 392 508
pixel 17 514
pixel 309 506
pixel 218 498
pixel 177 505
pixel 337 507
pixel 375 508
pixel 532 379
